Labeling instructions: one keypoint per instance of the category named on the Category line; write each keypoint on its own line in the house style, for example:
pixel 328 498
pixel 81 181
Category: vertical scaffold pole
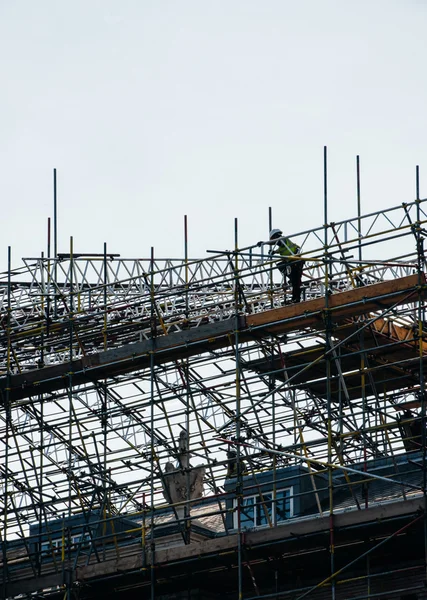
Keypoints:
pixel 46 294
pixel 152 457
pixel 8 423
pixel 55 243
pixel 365 413
pixel 67 540
pixel 328 367
pixel 187 522
pixel 270 271
pixel 359 207
pixel 41 467
pixel 186 263
pixel 239 490
pixel 104 404
pixel 43 285
pixel 365 416
pixel 272 386
pixel 42 448
pixel 49 283
pixel 421 320
pixel 325 193
pixel 365 425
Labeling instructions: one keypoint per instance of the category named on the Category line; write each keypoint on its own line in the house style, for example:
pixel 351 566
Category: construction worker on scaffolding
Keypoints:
pixel 290 265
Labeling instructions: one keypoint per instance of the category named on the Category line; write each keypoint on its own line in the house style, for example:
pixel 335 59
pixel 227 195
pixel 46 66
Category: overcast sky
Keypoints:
pixel 216 109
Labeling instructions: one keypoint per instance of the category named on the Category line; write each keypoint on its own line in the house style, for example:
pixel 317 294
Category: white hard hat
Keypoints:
pixel 275 233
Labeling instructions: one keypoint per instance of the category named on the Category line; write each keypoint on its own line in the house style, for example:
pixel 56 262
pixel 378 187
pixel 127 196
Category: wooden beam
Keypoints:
pixel 399 333
pixel 359 301
pixel 117 361
pixel 182 344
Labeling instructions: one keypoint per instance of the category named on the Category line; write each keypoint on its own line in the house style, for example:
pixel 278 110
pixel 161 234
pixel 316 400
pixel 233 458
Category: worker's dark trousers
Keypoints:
pixel 295 276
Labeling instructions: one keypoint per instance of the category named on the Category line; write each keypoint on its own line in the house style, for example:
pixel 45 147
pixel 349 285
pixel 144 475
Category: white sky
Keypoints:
pixel 217 109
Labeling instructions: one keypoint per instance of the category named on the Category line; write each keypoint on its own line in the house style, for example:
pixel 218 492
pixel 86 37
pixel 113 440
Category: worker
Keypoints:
pixel 290 264
pixel 233 469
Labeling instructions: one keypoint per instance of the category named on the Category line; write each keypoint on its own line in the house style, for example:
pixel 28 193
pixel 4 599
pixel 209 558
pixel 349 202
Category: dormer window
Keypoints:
pixel 262 511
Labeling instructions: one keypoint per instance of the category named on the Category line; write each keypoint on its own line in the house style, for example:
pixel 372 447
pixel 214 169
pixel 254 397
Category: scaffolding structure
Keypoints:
pixel 104 361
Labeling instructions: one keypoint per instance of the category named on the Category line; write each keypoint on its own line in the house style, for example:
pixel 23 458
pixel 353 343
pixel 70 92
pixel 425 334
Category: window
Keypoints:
pixel 261 510
pixel 49 547
pixel 55 545
pixel 82 538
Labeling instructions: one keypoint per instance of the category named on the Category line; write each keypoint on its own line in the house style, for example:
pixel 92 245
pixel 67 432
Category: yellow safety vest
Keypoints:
pixel 287 247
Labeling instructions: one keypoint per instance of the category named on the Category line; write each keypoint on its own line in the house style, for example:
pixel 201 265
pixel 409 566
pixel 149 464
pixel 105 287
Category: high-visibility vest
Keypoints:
pixel 287 247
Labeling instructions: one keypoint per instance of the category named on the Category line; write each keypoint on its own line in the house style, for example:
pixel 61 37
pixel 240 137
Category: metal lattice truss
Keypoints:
pixel 107 440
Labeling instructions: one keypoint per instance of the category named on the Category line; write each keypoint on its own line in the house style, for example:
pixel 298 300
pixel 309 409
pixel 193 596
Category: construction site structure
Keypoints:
pixel 176 428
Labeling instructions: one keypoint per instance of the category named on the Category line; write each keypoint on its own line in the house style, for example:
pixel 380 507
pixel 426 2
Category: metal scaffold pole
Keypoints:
pixel 187 521
pixel 7 408
pixel 66 538
pixel 55 243
pixel 328 346
pixel 359 208
pixel 419 238
pixel 152 439
pixel 239 462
